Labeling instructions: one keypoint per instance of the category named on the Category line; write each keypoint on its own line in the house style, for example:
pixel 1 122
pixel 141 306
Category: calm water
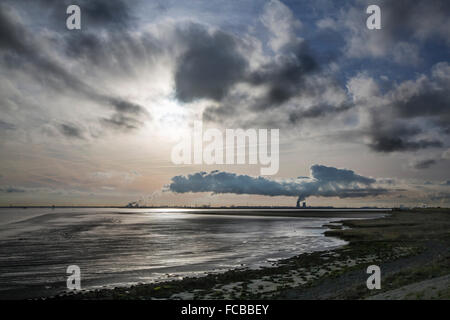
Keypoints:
pixel 125 246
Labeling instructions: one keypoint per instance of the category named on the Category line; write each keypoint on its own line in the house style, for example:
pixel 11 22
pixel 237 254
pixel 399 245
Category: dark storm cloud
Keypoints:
pixel 295 74
pixel 423 99
pixel 289 76
pixel 411 30
pixel 415 109
pixel 105 13
pixel 317 111
pixel 324 182
pixel 424 164
pixel 213 63
pixel 414 114
pixel 18 45
pixel 12 34
pixel 284 77
pixel 227 109
pixel 430 103
pixel 70 131
pixel 210 66
pixel 391 144
pixel 426 97
pixel 386 138
pixel 415 18
pixel 121 122
pixel 122 106
pixel 127 117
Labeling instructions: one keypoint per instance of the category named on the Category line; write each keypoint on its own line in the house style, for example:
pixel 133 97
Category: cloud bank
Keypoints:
pixel 324 182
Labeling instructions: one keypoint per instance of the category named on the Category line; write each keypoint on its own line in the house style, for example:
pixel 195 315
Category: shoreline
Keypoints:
pixel 409 246
pixel 299 213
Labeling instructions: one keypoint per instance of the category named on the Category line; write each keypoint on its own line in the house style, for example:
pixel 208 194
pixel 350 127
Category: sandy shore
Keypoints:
pixel 409 246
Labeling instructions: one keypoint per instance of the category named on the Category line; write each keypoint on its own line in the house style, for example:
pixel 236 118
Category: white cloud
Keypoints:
pixel 362 88
pixel 327 23
pixel 281 23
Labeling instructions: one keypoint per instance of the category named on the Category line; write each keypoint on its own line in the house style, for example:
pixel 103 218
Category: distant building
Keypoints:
pixel 303 204
pixel 133 205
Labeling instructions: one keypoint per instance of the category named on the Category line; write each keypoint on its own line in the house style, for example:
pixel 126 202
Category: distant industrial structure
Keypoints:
pixel 303 206
pixel 134 204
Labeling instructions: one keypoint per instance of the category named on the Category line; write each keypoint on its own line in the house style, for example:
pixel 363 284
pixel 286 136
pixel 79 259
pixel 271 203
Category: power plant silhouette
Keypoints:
pixel 303 204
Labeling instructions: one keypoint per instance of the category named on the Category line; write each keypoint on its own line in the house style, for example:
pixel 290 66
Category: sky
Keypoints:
pixel 90 116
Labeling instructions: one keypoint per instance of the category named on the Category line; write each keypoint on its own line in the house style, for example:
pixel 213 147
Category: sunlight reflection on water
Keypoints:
pixel 122 246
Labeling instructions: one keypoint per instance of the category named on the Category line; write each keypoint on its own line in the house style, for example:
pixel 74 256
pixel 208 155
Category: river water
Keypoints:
pixel 116 247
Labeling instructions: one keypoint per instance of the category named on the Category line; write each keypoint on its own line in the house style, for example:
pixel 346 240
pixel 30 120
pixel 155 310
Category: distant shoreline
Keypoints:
pixel 265 208
pixel 301 213
pixel 311 212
